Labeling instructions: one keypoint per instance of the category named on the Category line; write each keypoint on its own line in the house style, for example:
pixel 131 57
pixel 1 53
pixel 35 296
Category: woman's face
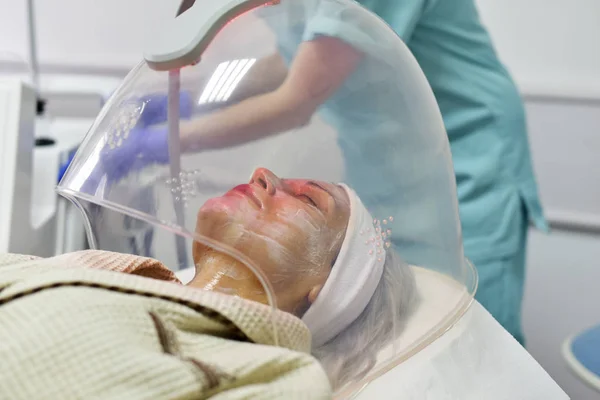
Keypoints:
pixel 291 228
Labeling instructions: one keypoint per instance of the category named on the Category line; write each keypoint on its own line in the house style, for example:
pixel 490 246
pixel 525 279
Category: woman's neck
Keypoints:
pixel 221 273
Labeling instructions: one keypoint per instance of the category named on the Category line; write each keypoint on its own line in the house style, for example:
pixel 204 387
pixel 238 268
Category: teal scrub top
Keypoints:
pixel 483 114
pixel 482 110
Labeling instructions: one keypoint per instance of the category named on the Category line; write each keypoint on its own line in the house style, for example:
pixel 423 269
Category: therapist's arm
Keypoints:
pixel 318 70
pixel 266 75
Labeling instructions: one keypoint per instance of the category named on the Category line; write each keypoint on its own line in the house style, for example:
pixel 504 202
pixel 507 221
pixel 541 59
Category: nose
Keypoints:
pixel 266 179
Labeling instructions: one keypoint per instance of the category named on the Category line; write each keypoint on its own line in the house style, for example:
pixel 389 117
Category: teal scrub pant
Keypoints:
pixel 501 285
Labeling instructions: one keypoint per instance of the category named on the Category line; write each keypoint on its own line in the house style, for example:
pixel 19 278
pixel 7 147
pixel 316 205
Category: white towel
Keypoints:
pixel 353 278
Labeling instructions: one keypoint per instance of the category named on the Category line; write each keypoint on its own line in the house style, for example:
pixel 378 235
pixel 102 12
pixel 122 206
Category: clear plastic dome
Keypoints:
pixel 307 148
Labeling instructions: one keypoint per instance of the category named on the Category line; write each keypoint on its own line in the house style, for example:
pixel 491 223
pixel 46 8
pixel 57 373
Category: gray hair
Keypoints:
pixel 352 353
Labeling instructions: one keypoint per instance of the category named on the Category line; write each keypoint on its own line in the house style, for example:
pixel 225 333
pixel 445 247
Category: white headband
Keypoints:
pixel 353 278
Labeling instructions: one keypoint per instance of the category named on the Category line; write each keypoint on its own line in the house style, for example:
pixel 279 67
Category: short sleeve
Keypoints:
pixel 347 22
pixel 402 15
pixel 337 19
pixel 300 21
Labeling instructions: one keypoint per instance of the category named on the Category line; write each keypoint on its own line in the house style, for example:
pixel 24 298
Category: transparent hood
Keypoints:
pixel 301 162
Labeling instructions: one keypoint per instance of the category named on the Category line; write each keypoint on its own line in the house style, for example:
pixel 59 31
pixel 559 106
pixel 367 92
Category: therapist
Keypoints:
pixel 323 63
pixel 485 121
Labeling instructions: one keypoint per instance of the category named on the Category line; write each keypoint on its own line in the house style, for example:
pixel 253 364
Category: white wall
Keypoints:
pixel 107 34
pixel 565 140
pixel 561 299
pixel 551 46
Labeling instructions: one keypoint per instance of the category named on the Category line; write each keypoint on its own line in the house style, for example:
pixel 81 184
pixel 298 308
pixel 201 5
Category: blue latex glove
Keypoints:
pixel 131 150
pixel 156 106
pixel 142 147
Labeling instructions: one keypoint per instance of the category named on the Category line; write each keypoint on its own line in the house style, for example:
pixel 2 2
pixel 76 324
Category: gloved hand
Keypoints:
pixel 143 146
pixel 131 149
pixel 156 106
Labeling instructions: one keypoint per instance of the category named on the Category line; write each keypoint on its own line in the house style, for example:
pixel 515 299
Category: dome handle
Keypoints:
pixel 183 39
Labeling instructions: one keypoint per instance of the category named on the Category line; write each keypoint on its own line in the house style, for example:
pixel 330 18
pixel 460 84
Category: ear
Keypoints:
pixel 314 293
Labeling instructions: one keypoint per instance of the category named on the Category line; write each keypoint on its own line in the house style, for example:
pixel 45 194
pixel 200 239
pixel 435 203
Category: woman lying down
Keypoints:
pixel 70 327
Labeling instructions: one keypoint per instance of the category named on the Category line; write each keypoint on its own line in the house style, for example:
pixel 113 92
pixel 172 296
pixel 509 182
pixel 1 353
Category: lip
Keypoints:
pixel 247 191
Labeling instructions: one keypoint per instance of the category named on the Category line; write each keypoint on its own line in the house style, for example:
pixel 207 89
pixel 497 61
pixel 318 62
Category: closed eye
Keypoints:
pixel 308 200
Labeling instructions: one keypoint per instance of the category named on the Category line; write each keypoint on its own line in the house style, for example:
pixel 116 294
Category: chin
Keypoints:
pixel 219 214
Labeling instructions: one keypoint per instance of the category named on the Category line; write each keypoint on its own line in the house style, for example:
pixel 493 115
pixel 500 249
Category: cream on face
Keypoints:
pixel 291 229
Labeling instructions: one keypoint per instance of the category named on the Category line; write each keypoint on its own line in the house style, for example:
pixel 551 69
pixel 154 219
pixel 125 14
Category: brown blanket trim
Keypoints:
pixel 237 333
pixel 213 375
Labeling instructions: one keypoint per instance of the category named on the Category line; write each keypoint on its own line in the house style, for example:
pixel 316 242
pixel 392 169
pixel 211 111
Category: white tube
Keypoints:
pixel 175 161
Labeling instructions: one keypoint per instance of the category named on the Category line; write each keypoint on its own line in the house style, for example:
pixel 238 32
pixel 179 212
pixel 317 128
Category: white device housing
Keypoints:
pixel 27 205
pixel 183 39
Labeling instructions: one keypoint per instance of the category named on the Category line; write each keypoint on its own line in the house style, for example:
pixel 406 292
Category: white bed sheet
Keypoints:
pixel 475 360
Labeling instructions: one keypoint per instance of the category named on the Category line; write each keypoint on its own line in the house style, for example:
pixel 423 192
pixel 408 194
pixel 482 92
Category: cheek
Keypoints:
pixel 274 256
pixel 302 221
pixel 286 244
pixel 219 218
pixel 303 239
pixel 313 234
pixel 295 230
